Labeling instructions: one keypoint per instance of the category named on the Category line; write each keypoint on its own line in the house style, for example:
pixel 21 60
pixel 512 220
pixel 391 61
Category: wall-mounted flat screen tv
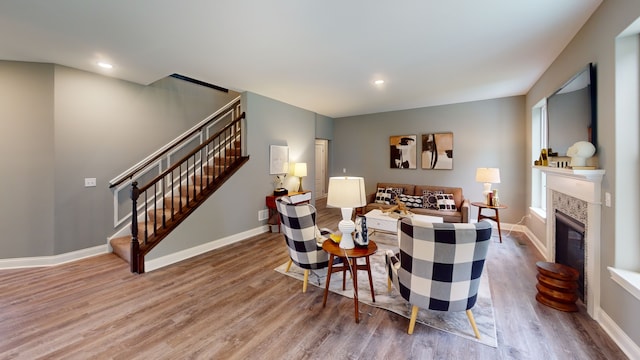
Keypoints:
pixel 571 112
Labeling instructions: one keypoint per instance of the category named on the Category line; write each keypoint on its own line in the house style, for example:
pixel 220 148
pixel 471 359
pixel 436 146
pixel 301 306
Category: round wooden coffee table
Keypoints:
pixel 349 261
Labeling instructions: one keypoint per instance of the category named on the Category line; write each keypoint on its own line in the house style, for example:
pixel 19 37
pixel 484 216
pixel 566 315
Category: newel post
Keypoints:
pixel 135 245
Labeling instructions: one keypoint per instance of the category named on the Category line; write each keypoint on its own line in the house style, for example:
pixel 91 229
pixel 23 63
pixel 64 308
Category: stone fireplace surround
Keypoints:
pixel 577 193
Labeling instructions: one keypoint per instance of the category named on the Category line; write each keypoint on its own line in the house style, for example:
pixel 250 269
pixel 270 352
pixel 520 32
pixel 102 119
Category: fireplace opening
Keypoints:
pixel 570 245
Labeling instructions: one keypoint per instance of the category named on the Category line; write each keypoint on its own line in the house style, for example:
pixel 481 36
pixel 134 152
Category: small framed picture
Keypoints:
pixel 402 152
pixel 278 160
pixel 437 151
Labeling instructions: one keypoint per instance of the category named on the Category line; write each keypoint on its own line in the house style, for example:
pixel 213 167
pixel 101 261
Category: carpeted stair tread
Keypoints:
pixel 213 170
pixel 122 247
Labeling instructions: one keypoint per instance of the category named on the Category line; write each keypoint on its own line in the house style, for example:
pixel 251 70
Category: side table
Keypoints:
pixel 349 261
pixel 495 218
pixel 296 198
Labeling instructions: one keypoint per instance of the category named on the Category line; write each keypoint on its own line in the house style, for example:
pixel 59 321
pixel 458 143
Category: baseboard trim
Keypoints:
pixel 154 264
pixel 536 243
pixel 630 348
pixel 39 261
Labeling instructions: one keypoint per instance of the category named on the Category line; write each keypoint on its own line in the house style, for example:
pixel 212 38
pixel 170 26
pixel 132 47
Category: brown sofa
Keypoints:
pixel 426 193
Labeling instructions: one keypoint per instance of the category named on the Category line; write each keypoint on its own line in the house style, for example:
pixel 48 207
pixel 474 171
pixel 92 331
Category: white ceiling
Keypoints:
pixel 318 55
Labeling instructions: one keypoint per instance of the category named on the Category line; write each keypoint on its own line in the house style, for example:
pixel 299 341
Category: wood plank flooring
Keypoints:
pixel 231 304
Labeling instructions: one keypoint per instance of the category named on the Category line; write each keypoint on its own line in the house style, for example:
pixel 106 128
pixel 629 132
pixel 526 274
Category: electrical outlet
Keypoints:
pixel 89 182
pixel 344 170
pixel 263 215
pixel 607 199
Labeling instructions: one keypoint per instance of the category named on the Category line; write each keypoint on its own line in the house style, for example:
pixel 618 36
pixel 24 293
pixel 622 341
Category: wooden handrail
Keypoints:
pixel 129 175
pixel 191 153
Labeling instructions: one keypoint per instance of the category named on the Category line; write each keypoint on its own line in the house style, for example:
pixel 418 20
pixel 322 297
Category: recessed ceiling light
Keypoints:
pixel 105 65
pixel 379 82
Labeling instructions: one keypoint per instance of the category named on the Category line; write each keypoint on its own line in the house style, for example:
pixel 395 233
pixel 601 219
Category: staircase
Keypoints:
pixel 161 204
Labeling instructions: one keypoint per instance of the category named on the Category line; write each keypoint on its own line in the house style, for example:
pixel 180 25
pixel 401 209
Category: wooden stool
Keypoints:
pixel 557 286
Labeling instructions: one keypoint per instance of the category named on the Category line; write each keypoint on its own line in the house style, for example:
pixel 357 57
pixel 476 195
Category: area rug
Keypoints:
pixel 455 323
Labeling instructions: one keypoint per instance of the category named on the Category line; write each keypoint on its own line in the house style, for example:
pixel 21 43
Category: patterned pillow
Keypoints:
pixel 382 197
pixel 429 200
pixel 394 193
pixel 412 201
pixel 446 202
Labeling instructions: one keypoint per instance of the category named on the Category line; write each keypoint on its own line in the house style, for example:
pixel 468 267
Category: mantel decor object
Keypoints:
pixel 580 152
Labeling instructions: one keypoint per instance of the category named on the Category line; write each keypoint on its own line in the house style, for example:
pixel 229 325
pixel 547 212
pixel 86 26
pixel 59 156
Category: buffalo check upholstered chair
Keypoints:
pixel 298 225
pixel 439 266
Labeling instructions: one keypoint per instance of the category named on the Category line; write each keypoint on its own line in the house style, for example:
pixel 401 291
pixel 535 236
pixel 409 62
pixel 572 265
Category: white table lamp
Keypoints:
pixel 487 176
pixel 346 192
pixel 300 170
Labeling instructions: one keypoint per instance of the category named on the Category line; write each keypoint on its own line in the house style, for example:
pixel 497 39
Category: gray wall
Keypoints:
pixel 27 161
pixel 62 125
pixel 486 133
pixel 234 208
pixel 595 42
pixel 324 127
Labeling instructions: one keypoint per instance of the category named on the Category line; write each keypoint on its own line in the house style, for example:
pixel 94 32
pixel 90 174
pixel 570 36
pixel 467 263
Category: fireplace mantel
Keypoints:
pixel 594 175
pixel 584 185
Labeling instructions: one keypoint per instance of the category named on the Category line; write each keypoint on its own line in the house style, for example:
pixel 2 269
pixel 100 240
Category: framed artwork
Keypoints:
pixel 437 151
pixel 402 152
pixel 278 160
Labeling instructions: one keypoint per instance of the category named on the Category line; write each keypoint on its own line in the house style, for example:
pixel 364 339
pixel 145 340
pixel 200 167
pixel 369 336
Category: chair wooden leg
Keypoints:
pixel 388 284
pixel 412 322
pixel 473 323
pixel 306 280
pixel 288 266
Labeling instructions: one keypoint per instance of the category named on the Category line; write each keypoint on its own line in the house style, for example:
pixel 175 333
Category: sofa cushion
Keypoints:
pixel 455 191
pixel 382 196
pixel 394 192
pixel 411 201
pixel 429 200
pixel 407 189
pixel 446 202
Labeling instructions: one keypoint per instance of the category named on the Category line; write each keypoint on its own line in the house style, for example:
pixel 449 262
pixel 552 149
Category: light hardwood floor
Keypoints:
pixel 231 304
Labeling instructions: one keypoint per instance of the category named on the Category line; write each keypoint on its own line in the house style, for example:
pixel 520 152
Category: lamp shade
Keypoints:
pixel 300 169
pixel 488 175
pixel 346 192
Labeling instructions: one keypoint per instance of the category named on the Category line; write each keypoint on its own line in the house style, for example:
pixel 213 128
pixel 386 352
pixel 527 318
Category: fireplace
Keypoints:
pixel 570 245
pixel 576 193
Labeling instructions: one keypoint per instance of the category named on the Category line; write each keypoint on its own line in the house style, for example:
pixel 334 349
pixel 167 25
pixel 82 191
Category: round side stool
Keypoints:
pixel 557 286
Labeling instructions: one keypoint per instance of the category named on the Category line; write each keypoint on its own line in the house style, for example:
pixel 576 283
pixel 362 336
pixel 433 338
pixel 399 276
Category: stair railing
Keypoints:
pixel 154 164
pixel 186 184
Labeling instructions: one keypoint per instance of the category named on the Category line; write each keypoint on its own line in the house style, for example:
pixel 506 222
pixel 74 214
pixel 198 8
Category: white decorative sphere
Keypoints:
pixel 580 152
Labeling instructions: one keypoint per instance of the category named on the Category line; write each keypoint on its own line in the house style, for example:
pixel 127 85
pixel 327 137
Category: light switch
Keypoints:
pixel 607 199
pixel 89 182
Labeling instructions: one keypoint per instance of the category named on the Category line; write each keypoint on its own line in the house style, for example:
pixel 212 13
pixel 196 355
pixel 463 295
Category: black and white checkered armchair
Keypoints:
pixel 298 225
pixel 439 266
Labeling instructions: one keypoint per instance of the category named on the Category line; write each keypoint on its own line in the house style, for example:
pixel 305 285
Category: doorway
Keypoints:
pixel 322 159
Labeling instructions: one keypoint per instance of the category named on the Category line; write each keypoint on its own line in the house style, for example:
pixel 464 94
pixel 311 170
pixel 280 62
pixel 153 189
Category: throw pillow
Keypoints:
pixel 412 201
pixel 446 202
pixel 429 200
pixel 382 197
pixel 394 193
